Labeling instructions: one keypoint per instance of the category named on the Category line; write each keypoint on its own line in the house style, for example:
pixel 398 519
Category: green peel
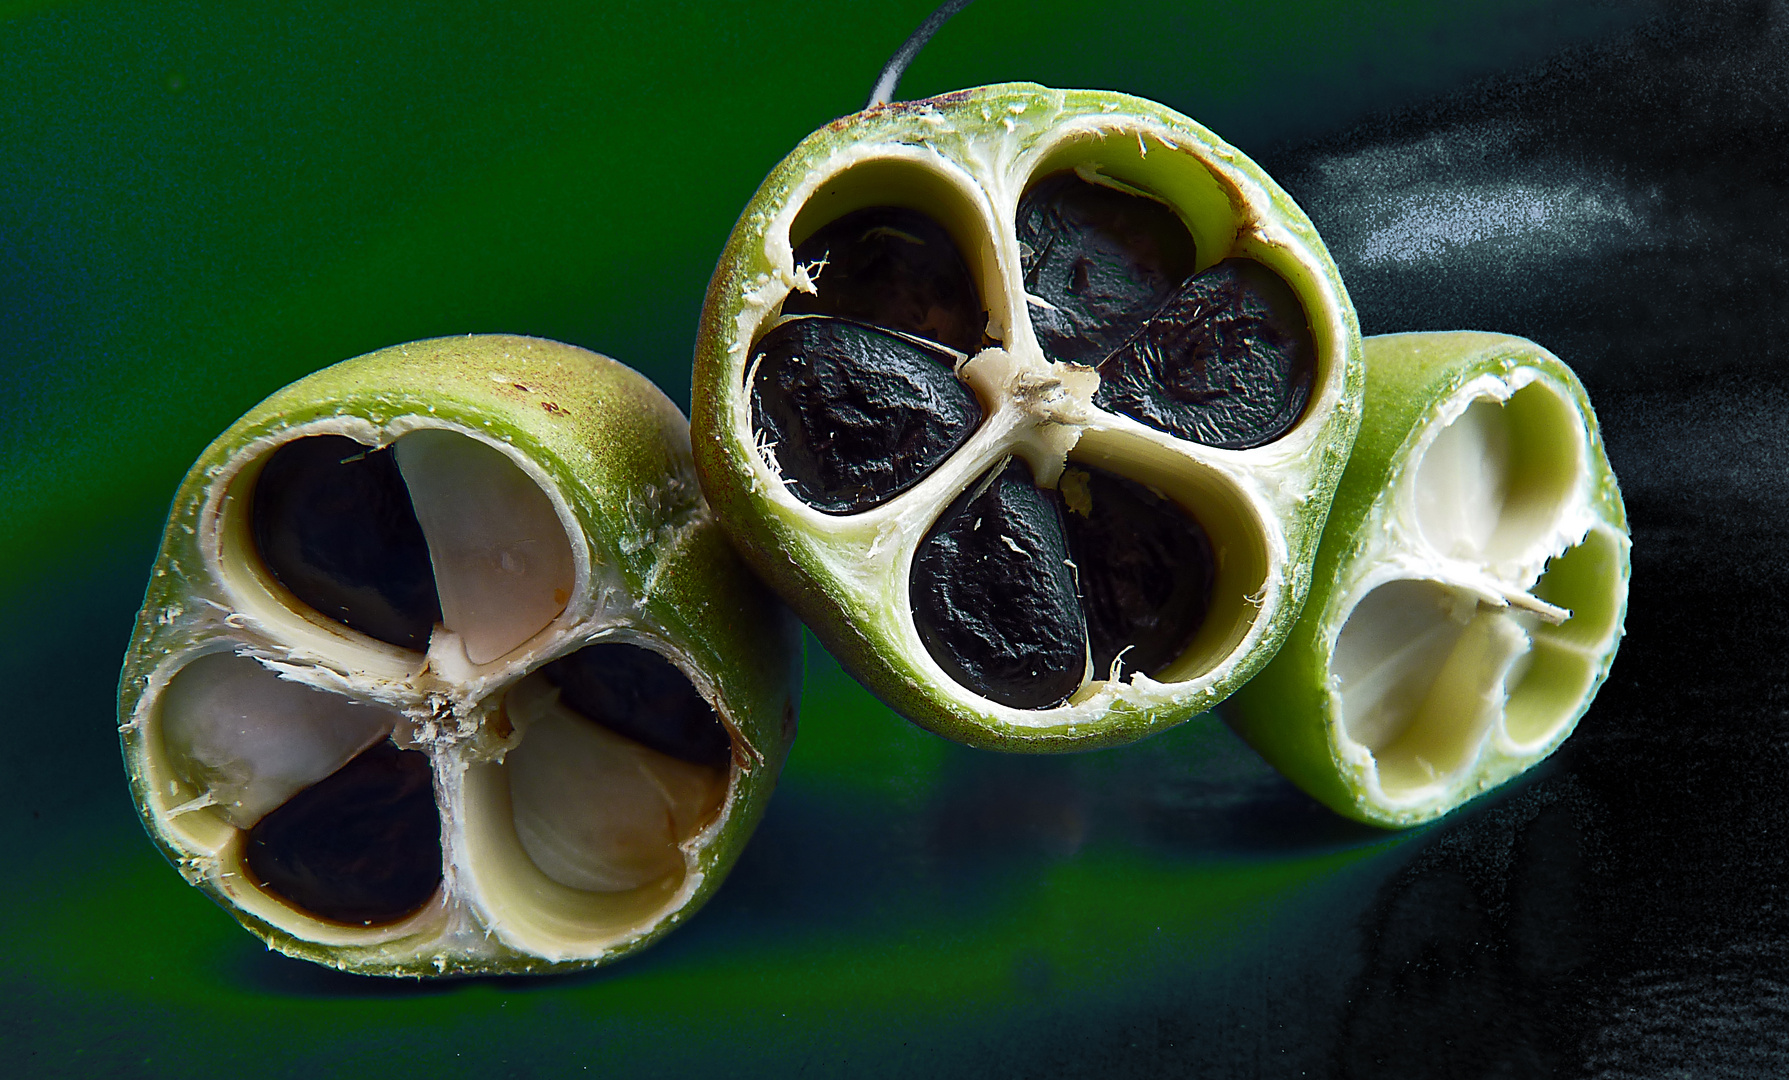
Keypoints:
pixel 648 565
pixel 966 159
pixel 1469 592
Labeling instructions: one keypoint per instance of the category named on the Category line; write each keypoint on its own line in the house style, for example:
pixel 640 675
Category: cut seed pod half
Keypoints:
pixel 1469 592
pixel 1031 402
pixel 446 668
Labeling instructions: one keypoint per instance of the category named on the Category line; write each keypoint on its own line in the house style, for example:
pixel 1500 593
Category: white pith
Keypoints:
pixel 1479 605
pixel 240 626
pixel 971 182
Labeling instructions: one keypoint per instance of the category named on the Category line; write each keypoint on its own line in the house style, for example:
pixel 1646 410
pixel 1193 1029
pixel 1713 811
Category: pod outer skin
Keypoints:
pixel 775 549
pixel 1286 712
pixel 618 451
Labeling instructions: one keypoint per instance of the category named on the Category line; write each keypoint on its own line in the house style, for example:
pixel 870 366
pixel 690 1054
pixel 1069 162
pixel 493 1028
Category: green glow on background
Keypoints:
pixel 200 202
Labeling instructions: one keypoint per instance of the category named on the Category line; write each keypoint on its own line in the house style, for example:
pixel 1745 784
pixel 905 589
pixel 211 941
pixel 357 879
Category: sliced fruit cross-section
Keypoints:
pixel 1469 592
pixel 445 666
pixel 1031 402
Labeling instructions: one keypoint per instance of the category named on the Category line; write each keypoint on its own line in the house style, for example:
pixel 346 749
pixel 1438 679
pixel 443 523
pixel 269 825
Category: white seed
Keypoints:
pixel 503 565
pixel 596 811
pixel 248 740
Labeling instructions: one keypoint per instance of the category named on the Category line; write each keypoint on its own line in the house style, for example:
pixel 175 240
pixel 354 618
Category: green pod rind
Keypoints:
pixel 653 568
pixel 1417 386
pixel 969 155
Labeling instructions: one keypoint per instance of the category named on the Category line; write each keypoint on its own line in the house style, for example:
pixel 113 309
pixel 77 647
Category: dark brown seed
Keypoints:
pixel 361 846
pixel 1146 570
pixel 1228 361
pixel 993 594
pixel 854 416
pixel 1103 260
pixel 333 523
pixel 639 694
pixel 896 268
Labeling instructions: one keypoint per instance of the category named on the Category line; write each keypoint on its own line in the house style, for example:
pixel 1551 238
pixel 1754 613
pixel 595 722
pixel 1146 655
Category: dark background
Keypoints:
pixel 202 201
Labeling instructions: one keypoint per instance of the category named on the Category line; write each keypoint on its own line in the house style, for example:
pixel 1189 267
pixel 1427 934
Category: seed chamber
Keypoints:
pixel 1103 356
pixel 539 777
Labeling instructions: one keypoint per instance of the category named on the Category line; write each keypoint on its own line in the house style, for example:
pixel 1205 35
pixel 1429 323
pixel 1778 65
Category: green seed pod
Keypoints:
pixel 1469 592
pixel 1031 402
pixel 444 667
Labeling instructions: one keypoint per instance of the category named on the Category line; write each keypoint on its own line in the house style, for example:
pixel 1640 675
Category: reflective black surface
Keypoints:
pixel 1627 206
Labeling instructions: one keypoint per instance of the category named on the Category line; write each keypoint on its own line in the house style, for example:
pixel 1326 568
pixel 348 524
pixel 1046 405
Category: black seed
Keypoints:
pixel 333 523
pixel 361 846
pixel 637 693
pixel 1104 259
pixel 855 416
pixel 1146 570
pixel 895 268
pixel 1228 361
pixel 994 597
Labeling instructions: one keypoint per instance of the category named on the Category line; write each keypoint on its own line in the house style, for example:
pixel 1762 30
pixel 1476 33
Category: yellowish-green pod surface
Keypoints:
pixel 445 667
pixel 1469 593
pixel 1031 403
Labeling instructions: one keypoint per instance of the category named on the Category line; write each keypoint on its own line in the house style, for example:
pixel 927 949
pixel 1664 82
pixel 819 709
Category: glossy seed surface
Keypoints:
pixel 333 523
pixel 1101 260
pixel 854 416
pixel 1227 361
pixel 896 268
pixel 993 594
pixel 361 846
pixel 637 693
pixel 1146 570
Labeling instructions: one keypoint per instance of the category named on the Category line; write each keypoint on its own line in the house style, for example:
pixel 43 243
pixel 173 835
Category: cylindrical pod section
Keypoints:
pixel 445 667
pixel 1469 593
pixel 1031 402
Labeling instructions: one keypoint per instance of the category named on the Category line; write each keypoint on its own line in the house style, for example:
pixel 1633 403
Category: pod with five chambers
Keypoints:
pixel 445 667
pixel 1469 592
pixel 1031 402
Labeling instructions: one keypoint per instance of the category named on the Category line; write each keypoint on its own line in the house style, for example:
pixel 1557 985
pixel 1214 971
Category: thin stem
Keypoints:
pixel 904 56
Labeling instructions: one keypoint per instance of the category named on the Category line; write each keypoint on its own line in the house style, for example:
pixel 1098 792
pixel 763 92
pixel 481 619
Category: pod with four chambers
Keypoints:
pixel 1469 593
pixel 1031 402
pixel 445 667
